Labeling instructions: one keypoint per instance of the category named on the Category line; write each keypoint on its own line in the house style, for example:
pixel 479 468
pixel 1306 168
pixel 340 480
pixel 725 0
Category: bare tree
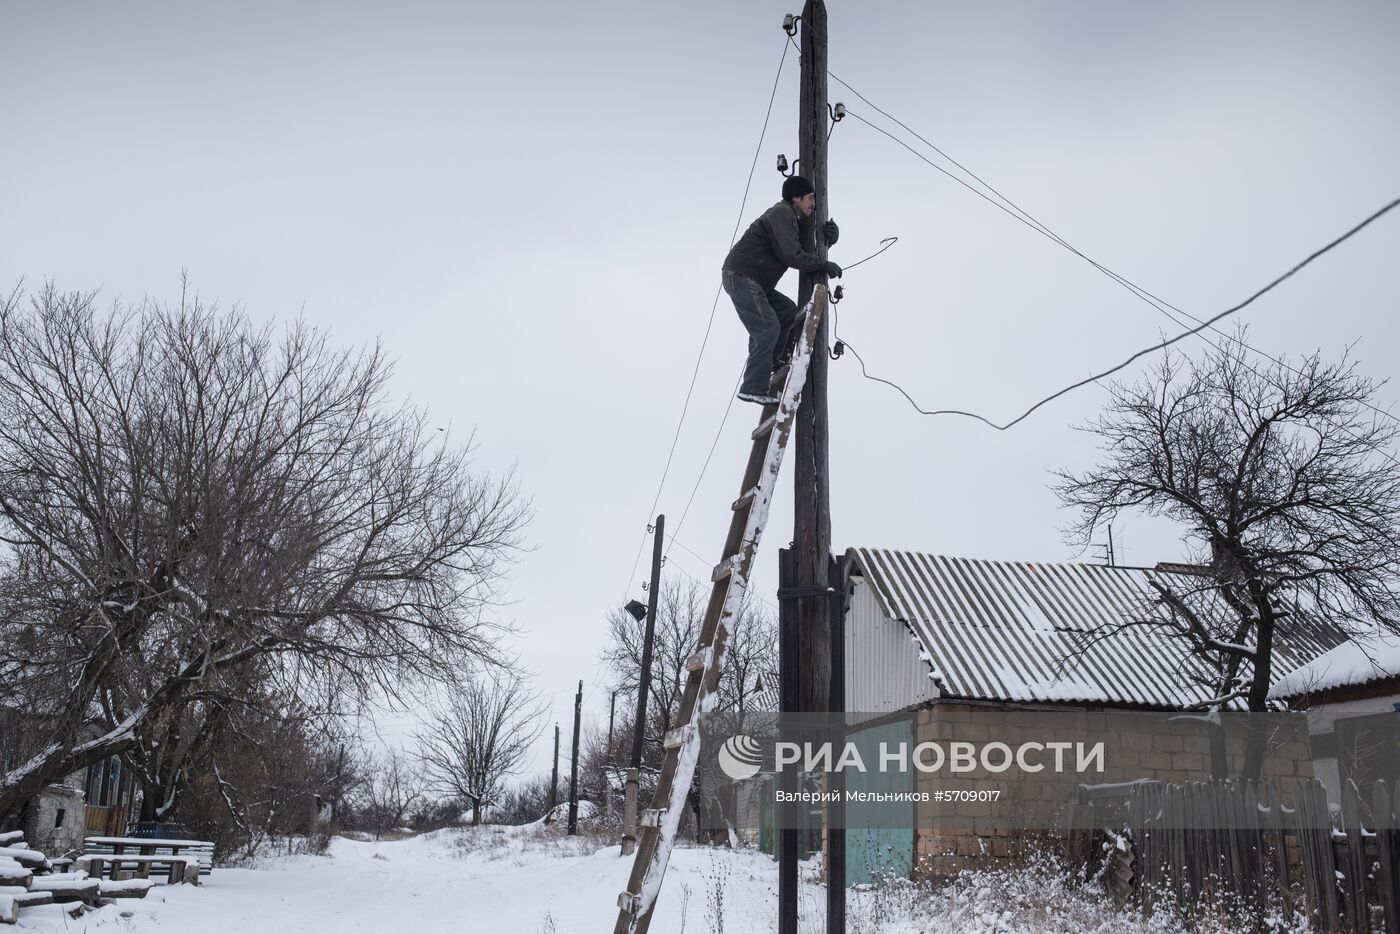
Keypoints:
pixel 1282 482
pixel 263 781
pixel 749 682
pixel 480 738
pixel 750 657
pixel 186 496
pixel 392 787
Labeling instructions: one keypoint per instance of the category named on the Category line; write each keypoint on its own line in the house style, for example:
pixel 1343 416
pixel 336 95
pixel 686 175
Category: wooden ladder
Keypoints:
pixel 731 578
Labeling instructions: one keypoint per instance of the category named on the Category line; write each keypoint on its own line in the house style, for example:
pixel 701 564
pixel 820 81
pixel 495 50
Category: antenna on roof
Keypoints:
pixel 1109 558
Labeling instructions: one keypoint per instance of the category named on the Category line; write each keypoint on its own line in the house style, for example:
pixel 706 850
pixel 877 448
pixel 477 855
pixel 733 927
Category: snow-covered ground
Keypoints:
pixel 525 880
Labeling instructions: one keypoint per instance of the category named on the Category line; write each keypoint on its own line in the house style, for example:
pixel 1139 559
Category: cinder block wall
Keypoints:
pixel 951 836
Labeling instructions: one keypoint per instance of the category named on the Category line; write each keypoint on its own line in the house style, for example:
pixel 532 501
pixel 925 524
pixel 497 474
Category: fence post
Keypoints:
pixel 1355 885
pixel 1313 825
pixel 1387 804
pixel 1272 816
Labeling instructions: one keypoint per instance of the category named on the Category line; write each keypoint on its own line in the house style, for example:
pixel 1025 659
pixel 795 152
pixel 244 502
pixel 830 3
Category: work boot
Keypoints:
pixel 759 397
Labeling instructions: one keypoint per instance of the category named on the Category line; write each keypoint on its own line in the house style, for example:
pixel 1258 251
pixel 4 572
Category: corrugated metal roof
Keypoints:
pixel 1007 630
pixel 1363 659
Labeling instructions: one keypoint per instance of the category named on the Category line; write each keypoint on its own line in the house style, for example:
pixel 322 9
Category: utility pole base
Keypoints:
pixel 629 815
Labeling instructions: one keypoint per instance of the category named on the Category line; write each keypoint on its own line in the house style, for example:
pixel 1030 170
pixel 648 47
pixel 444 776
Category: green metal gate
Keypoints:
pixel 872 852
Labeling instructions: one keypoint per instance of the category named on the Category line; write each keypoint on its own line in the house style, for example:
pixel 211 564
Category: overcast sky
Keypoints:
pixel 529 204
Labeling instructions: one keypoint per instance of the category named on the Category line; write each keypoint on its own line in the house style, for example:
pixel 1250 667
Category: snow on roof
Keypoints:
pixel 1362 659
pixel 1017 631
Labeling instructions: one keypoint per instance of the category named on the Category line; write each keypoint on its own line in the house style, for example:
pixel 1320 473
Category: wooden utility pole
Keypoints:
pixel 811 539
pixel 573 771
pixel 612 716
pixel 554 779
pixel 339 774
pixel 811 536
pixel 629 805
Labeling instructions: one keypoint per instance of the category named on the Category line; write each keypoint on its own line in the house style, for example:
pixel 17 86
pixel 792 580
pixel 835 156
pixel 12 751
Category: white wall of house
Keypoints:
pixel 54 822
pixel 883 669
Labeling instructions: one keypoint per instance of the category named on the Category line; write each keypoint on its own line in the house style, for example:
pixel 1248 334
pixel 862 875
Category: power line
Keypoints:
pixel 1015 211
pixel 885 244
pixel 1159 346
pixel 755 594
pixel 758 149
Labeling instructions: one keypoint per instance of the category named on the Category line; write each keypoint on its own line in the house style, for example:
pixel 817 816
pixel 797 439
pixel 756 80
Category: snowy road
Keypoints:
pixel 432 884
pixel 524 881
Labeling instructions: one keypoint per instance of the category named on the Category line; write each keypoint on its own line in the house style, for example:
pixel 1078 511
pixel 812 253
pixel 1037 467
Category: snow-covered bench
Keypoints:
pixel 177 868
pixel 129 848
pixel 68 887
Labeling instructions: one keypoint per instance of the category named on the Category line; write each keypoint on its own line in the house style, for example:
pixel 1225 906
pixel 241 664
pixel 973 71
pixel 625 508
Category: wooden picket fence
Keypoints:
pixel 1263 847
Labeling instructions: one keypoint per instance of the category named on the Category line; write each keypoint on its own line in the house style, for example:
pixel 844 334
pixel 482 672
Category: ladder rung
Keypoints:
pixel 629 902
pixel 698 660
pixel 651 817
pixel 677 738
pixel 724 569
pixel 779 375
pixel 745 498
pixel 765 427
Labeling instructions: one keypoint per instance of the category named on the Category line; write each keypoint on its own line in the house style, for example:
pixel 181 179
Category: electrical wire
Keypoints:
pixel 1155 347
pixel 1159 304
pixel 752 593
pixel 709 325
pixel 885 244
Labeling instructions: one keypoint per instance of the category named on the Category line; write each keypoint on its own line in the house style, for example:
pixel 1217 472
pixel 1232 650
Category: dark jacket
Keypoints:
pixel 771 246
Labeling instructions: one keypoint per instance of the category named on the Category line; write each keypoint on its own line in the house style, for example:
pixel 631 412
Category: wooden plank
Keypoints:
pixel 68 890
pixel 1320 863
pixel 1354 865
pixel 129 888
pixel 1386 811
pixel 765 427
pixel 1271 821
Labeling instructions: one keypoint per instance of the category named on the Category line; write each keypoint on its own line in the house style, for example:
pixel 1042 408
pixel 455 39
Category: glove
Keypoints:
pixel 831 232
pixel 831 270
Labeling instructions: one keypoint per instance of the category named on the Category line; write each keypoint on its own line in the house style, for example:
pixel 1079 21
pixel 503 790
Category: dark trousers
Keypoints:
pixel 768 317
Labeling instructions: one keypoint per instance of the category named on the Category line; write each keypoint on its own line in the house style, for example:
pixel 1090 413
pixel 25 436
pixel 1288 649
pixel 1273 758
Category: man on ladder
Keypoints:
pixel 770 247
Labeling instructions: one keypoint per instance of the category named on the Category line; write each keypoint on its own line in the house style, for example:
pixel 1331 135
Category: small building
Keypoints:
pixel 111 791
pixel 92 801
pixel 969 647
pixel 1352 698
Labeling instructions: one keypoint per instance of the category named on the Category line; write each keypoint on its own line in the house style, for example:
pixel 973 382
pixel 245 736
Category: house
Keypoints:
pixel 111 791
pixel 92 801
pixel 96 800
pixel 1025 655
pixel 1351 695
